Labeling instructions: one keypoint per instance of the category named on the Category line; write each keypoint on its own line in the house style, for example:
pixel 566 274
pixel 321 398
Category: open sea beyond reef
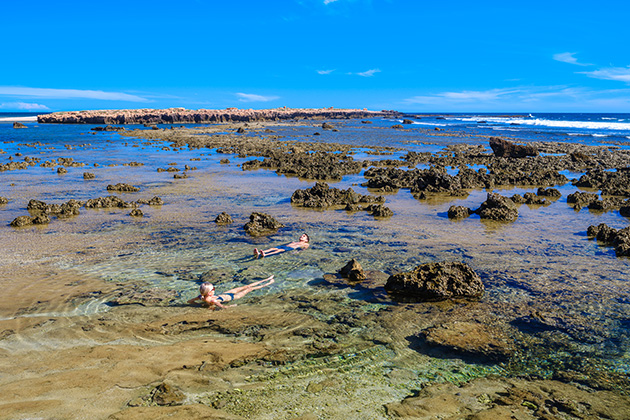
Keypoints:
pixel 65 284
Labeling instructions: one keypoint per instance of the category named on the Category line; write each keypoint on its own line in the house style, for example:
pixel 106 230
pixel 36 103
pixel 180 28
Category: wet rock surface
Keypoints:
pixel 321 195
pixel 261 224
pixel 504 148
pixel 497 207
pixel 436 281
pixel 122 187
pixel 618 238
pixel 223 219
pixel 471 338
pixel 353 271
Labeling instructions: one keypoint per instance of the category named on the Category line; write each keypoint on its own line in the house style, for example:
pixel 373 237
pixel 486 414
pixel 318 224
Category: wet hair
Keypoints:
pixel 308 238
pixel 206 288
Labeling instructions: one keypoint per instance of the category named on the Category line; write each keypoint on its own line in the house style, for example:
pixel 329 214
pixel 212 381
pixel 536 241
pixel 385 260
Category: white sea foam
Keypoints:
pixel 593 125
pixel 13 119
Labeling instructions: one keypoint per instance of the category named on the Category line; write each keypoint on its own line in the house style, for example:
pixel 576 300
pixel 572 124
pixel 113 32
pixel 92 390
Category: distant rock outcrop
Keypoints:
pixel 182 115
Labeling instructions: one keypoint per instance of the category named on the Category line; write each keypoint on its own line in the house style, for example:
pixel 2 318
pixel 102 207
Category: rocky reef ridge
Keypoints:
pixel 183 115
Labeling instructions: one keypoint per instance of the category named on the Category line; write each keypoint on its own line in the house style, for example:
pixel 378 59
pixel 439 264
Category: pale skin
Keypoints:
pixel 302 243
pixel 208 298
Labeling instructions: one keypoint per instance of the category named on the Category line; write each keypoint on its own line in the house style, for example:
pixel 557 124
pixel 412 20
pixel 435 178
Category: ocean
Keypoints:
pixel 541 263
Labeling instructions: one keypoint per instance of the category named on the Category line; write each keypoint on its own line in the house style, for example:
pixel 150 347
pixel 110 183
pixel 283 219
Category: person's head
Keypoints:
pixel 206 288
pixel 305 238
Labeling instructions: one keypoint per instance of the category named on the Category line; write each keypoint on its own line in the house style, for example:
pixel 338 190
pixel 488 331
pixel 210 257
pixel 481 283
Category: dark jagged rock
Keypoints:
pixel 108 128
pixel 322 196
pixel 459 212
pixel 434 180
pixel 61 170
pixel 241 130
pixel 407 122
pixel 18 124
pixel 42 219
pixel 261 224
pixel 65 210
pixel 4 200
pixel 437 281
pixel 223 219
pixel 107 202
pixel 379 210
pixel 21 221
pixel 497 207
pixel 504 148
pixel 88 175
pixel 183 175
pixel 155 201
pixel 397 126
pixel 327 126
pixel 606 204
pixel 548 192
pixel 224 161
pixel 136 213
pixel 121 187
pixel 309 165
pixel 533 199
pixel 620 239
pixel 581 199
pixel 353 271
pixel 610 183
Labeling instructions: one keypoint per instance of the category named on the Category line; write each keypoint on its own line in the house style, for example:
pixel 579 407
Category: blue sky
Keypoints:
pixel 425 56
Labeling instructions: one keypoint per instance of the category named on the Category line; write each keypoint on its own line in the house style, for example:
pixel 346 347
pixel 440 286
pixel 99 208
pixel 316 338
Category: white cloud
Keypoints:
pixel 250 97
pixel 368 73
pixel 329 1
pixel 568 57
pixel 324 71
pixel 69 94
pixel 24 106
pixel 621 74
pixel 463 96
pixel 525 98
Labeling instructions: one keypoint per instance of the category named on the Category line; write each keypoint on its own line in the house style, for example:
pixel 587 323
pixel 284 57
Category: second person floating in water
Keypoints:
pixel 302 243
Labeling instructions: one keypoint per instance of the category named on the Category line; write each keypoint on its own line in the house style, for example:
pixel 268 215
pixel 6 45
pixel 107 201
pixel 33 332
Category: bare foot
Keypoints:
pixel 262 254
pixel 256 252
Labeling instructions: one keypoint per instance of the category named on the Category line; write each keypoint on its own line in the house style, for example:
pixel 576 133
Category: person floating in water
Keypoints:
pixel 302 243
pixel 208 298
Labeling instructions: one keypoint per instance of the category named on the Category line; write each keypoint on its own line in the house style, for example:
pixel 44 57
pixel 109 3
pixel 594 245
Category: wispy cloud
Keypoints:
pixel 529 98
pixel 69 94
pixel 368 73
pixel 621 74
pixel 463 96
pixel 329 1
pixel 569 57
pixel 250 97
pixel 24 106
pixel 324 71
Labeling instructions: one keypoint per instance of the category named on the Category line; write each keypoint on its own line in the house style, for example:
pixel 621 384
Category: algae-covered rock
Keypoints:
pixel 437 281
pixel 261 224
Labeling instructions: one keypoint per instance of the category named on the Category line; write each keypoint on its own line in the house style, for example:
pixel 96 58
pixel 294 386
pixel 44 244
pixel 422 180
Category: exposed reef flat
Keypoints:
pixel 182 115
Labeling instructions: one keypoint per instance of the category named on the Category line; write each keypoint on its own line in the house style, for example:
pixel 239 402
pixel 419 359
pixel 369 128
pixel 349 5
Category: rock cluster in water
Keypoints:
pixel 261 224
pixel 618 238
pixel 437 281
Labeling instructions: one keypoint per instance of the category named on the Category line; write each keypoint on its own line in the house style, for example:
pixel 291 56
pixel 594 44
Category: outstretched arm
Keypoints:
pixel 194 300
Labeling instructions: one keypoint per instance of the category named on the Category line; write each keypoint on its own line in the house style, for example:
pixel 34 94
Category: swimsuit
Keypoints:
pixel 221 299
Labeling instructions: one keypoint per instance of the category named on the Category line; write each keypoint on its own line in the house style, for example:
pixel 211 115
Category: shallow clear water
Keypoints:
pixel 543 260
